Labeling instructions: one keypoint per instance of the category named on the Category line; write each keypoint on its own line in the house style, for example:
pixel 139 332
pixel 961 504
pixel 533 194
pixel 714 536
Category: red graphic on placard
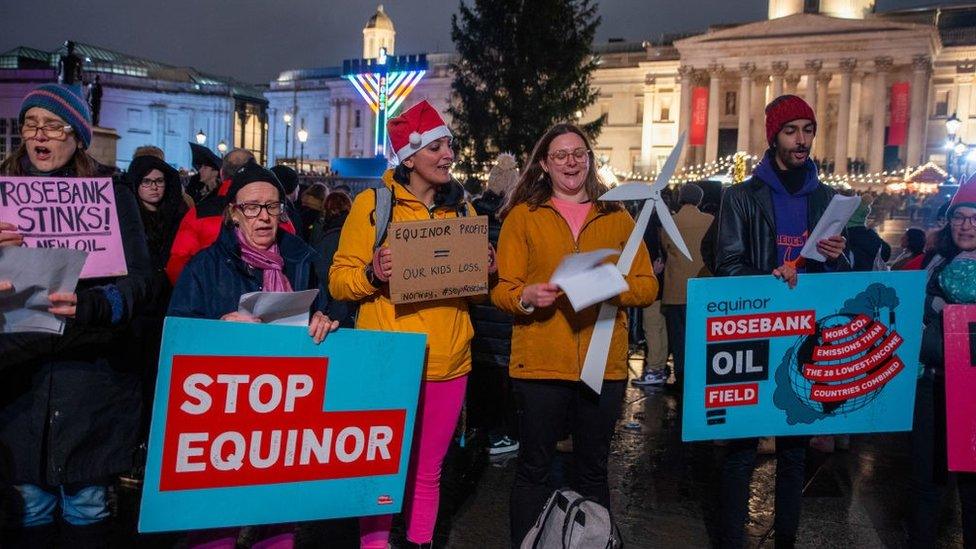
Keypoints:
pixel 241 421
pixel 848 370
pixel 845 350
pixel 763 325
pixel 844 331
pixel 722 396
pixel 846 391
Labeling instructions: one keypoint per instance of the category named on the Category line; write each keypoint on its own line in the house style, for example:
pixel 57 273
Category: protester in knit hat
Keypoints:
pixel 64 102
pixel 783 110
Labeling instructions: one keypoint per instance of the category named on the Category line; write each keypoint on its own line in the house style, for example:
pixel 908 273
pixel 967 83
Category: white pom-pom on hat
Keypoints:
pixel 416 139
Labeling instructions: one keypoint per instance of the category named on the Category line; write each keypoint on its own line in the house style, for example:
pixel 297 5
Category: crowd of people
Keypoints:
pixel 72 407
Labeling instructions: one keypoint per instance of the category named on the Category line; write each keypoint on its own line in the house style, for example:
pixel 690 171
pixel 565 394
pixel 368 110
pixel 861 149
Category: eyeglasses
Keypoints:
pixel 960 220
pixel 561 156
pixel 52 130
pixel 147 183
pixel 251 210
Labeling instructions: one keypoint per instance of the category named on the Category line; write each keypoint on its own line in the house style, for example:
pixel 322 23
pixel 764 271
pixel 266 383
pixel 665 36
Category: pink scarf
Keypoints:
pixel 269 261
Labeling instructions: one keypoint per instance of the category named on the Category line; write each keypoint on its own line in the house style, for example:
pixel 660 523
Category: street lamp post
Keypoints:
pixel 222 147
pixel 952 140
pixel 201 137
pixel 302 137
pixel 287 118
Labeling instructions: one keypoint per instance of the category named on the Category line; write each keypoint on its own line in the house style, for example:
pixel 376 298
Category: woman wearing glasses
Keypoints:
pixel 950 281
pixel 251 254
pixel 553 212
pixel 69 416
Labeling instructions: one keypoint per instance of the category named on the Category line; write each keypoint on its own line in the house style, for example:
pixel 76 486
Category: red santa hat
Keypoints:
pixel 965 194
pixel 415 128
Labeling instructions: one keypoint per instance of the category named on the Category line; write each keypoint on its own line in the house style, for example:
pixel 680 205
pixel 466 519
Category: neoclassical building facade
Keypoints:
pixel 850 63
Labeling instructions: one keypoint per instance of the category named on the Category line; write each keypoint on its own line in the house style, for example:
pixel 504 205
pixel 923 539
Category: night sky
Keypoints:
pixel 253 40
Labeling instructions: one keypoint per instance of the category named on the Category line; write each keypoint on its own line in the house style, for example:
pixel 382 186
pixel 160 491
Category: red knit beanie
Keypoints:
pixel 783 110
pixel 965 195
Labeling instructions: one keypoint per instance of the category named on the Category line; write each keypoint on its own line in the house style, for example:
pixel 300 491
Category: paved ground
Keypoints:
pixel 664 490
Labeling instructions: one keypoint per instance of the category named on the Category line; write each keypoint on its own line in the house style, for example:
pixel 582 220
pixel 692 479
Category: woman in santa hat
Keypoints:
pixel 422 189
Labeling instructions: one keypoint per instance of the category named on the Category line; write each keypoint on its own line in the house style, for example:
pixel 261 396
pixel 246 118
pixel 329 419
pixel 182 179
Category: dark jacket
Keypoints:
pixel 932 352
pixel 745 243
pixel 213 281
pixel 492 342
pixel 70 410
pixel 160 225
pixel 324 238
pixel 863 245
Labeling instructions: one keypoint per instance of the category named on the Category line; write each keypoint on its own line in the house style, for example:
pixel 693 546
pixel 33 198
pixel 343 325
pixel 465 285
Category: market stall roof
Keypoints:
pixel 926 173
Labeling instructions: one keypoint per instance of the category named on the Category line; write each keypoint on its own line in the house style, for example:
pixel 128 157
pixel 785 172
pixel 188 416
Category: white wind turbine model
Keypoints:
pixel 596 355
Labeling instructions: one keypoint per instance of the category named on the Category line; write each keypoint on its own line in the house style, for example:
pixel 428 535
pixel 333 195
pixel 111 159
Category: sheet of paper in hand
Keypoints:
pixel 35 273
pixel 586 279
pixel 438 259
pixel 74 212
pixel 283 308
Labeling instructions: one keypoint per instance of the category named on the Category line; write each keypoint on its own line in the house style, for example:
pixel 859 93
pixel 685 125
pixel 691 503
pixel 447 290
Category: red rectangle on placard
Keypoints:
pixel 762 325
pixel 723 396
pixel 241 421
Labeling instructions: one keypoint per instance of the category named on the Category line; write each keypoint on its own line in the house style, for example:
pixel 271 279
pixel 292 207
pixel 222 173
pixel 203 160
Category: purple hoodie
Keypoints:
pixel 789 210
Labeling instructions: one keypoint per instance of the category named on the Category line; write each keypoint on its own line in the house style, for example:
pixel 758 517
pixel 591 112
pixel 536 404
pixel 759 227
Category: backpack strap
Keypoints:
pixel 382 213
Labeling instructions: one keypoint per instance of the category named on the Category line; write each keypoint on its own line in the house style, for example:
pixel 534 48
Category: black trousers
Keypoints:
pixel 674 317
pixel 544 407
pixel 930 472
pixel 737 469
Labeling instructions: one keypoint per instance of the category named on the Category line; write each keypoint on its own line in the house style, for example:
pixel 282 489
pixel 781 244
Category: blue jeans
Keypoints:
pixel 35 506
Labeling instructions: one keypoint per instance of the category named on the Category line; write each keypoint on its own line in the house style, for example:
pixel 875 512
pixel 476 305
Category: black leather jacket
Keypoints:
pixel 746 239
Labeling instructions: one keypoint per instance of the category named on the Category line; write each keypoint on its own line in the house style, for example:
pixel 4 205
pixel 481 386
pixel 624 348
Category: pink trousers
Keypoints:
pixel 277 536
pixel 437 416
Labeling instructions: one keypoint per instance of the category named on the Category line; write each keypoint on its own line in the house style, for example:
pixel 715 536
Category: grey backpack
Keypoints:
pixel 570 521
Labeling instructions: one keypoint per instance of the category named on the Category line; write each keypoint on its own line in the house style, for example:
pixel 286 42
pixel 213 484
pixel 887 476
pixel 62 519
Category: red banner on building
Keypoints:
pixel 699 116
pixel 900 105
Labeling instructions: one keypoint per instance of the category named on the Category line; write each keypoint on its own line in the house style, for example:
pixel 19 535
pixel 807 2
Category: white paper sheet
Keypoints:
pixel 35 273
pixel 831 223
pixel 283 308
pixel 586 280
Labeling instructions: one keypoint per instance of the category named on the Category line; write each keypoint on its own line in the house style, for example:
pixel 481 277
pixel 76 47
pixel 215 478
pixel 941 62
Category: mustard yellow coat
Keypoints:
pixel 551 342
pixel 446 322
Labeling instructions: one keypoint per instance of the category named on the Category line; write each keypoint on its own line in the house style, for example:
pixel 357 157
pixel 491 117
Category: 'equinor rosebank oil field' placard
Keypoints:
pixel 837 354
pixel 255 424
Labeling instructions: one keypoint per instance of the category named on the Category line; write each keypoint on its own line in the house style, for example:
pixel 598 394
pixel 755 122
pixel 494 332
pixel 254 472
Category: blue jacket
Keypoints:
pixel 213 281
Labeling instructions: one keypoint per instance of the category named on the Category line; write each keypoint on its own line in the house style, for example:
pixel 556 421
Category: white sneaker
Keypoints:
pixel 654 377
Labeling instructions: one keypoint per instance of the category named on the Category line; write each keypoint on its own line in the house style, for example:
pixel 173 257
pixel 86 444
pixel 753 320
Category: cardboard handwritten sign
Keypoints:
pixel 255 424
pixel 75 213
pixel 438 259
pixel 959 327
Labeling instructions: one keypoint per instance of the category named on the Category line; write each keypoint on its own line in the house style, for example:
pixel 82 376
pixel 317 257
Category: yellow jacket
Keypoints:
pixel 446 322
pixel 551 343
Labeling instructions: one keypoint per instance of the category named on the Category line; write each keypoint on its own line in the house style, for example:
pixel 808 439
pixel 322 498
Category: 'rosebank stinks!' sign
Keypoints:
pixel 831 356
pixel 75 213
pixel 255 424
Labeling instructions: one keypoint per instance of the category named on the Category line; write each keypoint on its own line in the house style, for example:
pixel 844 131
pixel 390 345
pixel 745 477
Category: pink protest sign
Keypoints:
pixel 72 212
pixel 959 324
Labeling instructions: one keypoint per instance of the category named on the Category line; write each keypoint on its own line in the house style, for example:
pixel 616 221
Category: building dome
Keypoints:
pixel 380 20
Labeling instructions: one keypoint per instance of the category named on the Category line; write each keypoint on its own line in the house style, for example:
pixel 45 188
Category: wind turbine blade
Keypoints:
pixel 636 237
pixel 670 165
pixel 628 191
pixel 669 227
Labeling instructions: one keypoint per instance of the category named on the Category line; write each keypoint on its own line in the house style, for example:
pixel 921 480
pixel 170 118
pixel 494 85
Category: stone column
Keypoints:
pixel 921 65
pixel 812 70
pixel 820 108
pixel 792 83
pixel 714 88
pixel 647 124
pixel 685 77
pixel 744 105
pixel 843 115
pixel 880 99
pixel 334 128
pixel 369 132
pixel 758 125
pixel 779 70
pixel 343 129
pixel 853 132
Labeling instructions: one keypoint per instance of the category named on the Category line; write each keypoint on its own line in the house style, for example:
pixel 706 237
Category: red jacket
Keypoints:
pixel 199 229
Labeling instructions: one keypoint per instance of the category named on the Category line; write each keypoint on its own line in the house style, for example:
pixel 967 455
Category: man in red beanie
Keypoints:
pixel 762 225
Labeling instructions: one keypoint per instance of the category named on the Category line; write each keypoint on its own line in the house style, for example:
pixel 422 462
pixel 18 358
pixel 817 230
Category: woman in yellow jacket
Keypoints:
pixel 553 212
pixel 422 189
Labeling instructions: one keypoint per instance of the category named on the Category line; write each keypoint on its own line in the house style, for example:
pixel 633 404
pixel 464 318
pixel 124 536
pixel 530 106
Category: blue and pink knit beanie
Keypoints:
pixel 65 102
